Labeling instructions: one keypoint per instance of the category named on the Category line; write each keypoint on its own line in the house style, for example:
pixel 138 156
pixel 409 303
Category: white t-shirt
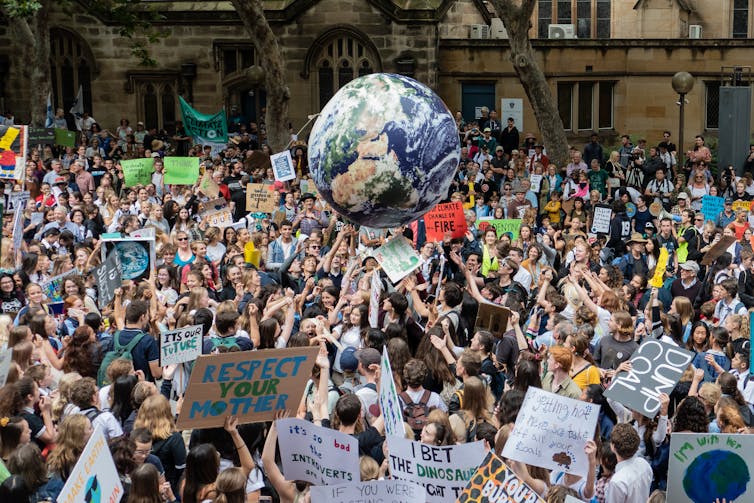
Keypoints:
pixel 434 399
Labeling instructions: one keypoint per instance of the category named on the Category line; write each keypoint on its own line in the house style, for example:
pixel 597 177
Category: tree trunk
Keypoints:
pixel 517 20
pixel 270 58
pixel 32 63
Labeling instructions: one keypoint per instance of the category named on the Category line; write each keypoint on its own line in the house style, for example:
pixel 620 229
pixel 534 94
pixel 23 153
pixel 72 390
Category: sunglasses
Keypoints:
pixel 182 239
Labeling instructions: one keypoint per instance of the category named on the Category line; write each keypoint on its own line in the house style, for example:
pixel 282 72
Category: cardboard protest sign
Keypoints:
pixel 282 166
pixel 53 287
pixel 6 357
pixel 397 258
pixel 385 491
pixel 509 226
pixel 662 264
pixel 211 205
pixel 444 471
pixel 711 467
pixel 492 318
pixel 494 481
pixel 601 219
pixel 712 206
pixel 390 405
pixel 108 277
pixel 222 218
pixel 551 431
pixel 252 385
pixel 445 218
pixel 316 454
pixel 261 198
pixel 208 186
pixel 180 345
pixel 65 138
pixel 181 170
pixel 146 232
pixel 136 255
pixel 13 147
pixel 137 171
pixel 94 477
pixel 656 368
pixel 718 249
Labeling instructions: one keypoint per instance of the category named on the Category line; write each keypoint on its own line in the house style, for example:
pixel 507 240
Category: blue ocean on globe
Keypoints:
pixel 716 474
pixel 384 150
pixel 134 259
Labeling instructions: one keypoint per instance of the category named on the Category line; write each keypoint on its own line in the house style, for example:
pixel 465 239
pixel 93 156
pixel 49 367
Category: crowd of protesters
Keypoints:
pixel 302 276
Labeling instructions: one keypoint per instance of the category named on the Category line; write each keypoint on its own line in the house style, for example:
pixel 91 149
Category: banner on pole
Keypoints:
pixel 207 128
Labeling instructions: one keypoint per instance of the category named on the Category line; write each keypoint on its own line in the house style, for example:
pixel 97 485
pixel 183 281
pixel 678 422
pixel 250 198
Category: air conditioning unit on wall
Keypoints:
pixel 497 28
pixel 561 31
pixel 479 31
pixel 695 31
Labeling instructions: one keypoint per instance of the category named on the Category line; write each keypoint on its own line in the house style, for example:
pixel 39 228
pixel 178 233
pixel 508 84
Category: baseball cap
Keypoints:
pixel 487 130
pixel 728 200
pixel 683 195
pixel 348 360
pixel 499 149
pixel 368 356
pixel 690 265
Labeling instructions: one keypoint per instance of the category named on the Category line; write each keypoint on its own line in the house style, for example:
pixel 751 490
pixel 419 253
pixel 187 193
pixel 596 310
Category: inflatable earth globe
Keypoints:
pixel 384 150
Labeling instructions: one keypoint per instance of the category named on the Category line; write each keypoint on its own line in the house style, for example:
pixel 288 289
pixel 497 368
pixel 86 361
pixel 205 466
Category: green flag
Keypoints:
pixel 138 171
pixel 204 128
pixel 65 138
pixel 181 170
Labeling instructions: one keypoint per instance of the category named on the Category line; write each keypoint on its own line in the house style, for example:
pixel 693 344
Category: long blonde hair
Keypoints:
pixel 70 443
pixel 156 416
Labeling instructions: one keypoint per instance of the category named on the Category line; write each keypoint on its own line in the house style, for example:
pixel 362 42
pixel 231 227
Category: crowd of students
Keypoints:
pixel 580 305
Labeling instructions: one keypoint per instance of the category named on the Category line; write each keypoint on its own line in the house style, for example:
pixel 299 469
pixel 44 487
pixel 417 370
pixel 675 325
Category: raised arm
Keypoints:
pixel 286 489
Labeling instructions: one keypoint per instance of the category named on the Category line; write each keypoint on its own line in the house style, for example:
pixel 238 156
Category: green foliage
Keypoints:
pixel 19 8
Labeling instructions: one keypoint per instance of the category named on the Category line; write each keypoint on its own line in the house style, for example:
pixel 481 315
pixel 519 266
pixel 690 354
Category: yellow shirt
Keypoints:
pixel 589 375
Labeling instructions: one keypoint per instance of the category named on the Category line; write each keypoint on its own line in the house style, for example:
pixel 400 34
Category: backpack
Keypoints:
pixel 118 351
pixel 415 414
pixel 227 343
pixel 92 414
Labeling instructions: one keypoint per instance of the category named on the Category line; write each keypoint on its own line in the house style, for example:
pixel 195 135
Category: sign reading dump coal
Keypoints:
pixel 250 385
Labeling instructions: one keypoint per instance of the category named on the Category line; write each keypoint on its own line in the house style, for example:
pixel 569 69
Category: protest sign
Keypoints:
pixel 208 186
pixel 94 477
pixel 551 432
pixel 41 136
pixel 108 277
pixel 741 205
pixel 316 454
pixel 656 367
pixel 445 218
pixel 601 220
pixel 13 147
pixel 180 345
pixel 181 170
pixel 718 249
pixel 261 198
pixel 204 128
pixel 137 171
pixel 382 491
pixel 16 200
pixel 397 258
pixel 495 482
pixel 136 255
pixel 390 406
pixel 711 467
pixel 18 228
pixel 146 232
pixel 65 138
pixel 536 182
pixel 492 318
pixel 509 226
pixel 6 357
pixel 712 206
pixel 212 205
pixel 53 287
pixel 252 385
pixel 444 471
pixel 222 218
pixel 662 264
pixel 282 166
pixel 375 290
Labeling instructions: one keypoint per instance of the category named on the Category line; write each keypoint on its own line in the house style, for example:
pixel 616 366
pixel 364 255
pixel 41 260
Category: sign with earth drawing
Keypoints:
pixel 137 255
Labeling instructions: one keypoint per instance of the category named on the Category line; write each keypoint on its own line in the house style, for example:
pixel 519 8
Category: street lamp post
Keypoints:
pixel 683 83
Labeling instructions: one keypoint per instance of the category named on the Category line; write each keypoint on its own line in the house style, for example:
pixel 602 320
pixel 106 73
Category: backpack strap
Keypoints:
pixel 131 345
pixel 424 400
pixel 406 399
